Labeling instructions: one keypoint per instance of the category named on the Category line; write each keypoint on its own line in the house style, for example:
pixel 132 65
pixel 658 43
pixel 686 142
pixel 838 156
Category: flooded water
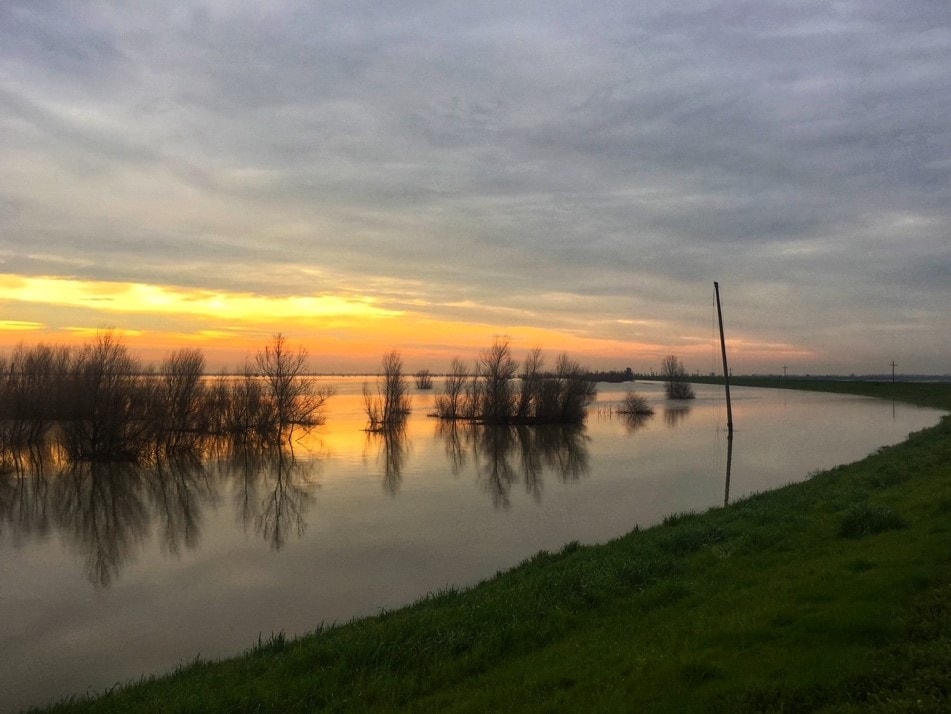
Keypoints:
pixel 109 572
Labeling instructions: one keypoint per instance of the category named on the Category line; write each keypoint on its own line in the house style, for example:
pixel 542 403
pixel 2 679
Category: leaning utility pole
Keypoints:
pixel 726 371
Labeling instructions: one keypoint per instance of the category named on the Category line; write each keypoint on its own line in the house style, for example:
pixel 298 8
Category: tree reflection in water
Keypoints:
pixel 491 447
pixel 24 496
pixel 102 509
pixel 106 510
pixel 273 489
pixel 561 449
pixel 392 449
pixel 453 439
pixel 179 489
pixel 633 423
pixel 675 416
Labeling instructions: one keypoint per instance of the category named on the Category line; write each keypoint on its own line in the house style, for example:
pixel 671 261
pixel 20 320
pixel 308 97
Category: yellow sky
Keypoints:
pixel 342 333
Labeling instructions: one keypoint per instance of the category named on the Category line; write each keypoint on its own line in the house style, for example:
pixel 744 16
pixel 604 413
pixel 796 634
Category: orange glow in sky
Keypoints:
pixel 342 333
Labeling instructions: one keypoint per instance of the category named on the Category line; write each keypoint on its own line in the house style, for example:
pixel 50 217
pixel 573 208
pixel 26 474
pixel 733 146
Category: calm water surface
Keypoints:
pixel 107 573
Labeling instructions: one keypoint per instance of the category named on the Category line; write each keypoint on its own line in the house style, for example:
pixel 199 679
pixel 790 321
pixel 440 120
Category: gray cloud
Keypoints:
pixel 498 154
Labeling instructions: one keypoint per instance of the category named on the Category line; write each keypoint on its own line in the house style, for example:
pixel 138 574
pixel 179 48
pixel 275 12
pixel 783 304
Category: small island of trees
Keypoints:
pixel 675 376
pixel 497 391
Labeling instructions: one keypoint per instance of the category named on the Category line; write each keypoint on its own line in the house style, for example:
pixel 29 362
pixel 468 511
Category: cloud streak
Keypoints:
pixel 544 165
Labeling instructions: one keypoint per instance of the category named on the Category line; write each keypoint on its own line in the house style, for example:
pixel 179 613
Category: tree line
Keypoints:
pixel 101 403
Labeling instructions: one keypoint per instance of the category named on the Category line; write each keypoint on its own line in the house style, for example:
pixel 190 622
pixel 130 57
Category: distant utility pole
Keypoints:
pixel 784 371
pixel 727 373
pixel 892 363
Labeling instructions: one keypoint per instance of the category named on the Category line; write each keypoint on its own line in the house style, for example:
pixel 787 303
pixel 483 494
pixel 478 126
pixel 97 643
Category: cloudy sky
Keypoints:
pixel 427 176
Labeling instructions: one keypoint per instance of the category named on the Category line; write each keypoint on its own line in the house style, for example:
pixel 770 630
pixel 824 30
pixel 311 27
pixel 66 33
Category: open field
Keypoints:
pixel 833 594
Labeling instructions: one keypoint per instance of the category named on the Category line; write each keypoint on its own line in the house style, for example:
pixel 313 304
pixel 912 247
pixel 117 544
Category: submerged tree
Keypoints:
pixel 529 393
pixel 424 380
pixel 674 374
pixel 109 404
pixel 31 392
pixel 183 405
pixel 389 407
pixel 450 403
pixel 295 399
pixel 634 404
pixel 496 394
pixel 575 392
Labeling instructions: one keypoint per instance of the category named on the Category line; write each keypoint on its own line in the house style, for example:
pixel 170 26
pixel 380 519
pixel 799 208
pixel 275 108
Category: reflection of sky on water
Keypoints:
pixel 109 571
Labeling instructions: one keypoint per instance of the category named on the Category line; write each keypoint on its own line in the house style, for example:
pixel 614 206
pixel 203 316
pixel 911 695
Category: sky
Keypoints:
pixel 433 176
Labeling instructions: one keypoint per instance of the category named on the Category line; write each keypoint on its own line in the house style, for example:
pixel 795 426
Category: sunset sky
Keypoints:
pixel 429 176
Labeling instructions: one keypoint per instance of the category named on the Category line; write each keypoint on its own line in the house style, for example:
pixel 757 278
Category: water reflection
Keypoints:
pixel 102 509
pixel 273 490
pixel 24 498
pixel 392 450
pixel 729 466
pixel 451 434
pixel 675 416
pixel 633 423
pixel 107 510
pixel 180 488
pixel 503 455
pixel 370 550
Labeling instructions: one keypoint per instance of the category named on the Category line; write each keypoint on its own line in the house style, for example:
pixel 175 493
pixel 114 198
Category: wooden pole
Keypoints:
pixel 726 371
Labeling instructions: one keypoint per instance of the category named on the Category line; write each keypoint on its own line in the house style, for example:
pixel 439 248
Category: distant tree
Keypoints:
pixel 673 372
pixel 424 380
pixel 635 404
pixel 613 376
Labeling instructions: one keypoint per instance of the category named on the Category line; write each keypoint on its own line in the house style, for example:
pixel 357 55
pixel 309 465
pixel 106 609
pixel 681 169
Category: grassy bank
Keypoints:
pixel 831 594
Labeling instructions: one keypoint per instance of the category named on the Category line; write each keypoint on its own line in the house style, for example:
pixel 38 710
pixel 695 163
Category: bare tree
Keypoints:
pixel 531 381
pixel 674 374
pixel 183 398
pixel 424 380
pixel 295 399
pixel 109 405
pixel 32 385
pixel 496 371
pixel 242 408
pixel 636 405
pixel 576 391
pixel 491 395
pixel 388 408
pixel 449 404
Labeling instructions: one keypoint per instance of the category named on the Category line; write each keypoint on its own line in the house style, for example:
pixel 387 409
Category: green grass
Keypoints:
pixel 829 595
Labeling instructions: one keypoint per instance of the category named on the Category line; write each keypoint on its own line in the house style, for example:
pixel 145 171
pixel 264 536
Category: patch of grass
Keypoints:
pixel 860 565
pixel 700 672
pixel 864 520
